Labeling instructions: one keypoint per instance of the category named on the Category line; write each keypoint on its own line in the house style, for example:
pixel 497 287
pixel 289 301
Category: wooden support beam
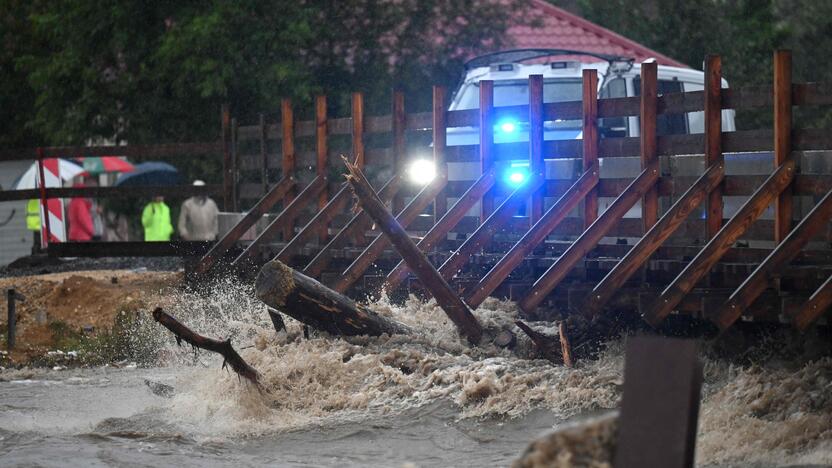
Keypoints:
pixel 486 141
pixel 287 124
pixel 533 237
pixel 721 243
pixel 358 128
pixel 264 158
pixel 589 106
pixel 319 222
pixel 286 217
pixel 659 404
pixel 590 237
pixel 354 228
pixel 713 139
pixel 250 219
pixel 446 298
pixel 321 151
pixel 649 155
pixel 655 237
pixel 818 303
pixel 413 209
pixel 439 231
pixel 760 279
pixel 399 148
pixel 440 142
pixel 487 229
pixel 783 209
pixel 227 168
pixel 537 164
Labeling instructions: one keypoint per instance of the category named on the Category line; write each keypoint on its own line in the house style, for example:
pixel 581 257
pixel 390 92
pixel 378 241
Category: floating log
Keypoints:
pixel 312 303
pixel 556 350
pixel 447 299
pixel 223 348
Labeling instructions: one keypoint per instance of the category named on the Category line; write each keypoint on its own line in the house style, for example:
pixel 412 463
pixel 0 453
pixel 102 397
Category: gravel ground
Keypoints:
pixel 43 265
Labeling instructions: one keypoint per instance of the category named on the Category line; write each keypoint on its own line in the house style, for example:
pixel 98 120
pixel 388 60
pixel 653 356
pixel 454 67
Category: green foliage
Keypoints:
pixel 158 71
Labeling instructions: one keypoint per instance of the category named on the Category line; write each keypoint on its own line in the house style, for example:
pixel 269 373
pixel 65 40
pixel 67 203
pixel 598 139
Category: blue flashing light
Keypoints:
pixel 517 175
pixel 507 126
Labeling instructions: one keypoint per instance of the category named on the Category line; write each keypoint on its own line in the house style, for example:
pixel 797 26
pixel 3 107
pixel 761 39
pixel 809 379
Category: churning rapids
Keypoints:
pixel 423 400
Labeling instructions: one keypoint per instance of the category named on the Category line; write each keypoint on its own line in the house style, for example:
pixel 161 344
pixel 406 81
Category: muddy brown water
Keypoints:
pixel 422 400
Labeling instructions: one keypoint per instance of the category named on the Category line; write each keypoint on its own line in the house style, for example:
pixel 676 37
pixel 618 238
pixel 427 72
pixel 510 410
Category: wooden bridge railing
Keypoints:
pixel 653 229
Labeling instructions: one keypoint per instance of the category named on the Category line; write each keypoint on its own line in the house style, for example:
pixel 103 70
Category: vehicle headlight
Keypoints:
pixel 422 171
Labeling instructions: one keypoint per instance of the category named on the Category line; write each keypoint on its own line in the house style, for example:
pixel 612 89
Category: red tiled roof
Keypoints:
pixel 560 29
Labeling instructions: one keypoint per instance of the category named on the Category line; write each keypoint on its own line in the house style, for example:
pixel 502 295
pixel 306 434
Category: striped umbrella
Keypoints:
pixel 104 164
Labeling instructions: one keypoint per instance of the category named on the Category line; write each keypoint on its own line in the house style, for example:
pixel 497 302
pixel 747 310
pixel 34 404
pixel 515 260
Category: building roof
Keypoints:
pixel 559 29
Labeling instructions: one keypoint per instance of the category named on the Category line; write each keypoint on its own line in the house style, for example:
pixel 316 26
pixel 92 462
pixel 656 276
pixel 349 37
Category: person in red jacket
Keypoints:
pixel 81 227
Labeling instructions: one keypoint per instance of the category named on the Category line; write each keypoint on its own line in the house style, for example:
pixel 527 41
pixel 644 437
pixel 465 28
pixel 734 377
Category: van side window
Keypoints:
pixel 666 124
pixel 612 127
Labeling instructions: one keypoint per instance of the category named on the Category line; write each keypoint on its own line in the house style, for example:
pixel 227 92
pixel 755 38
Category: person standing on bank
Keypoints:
pixel 156 221
pixel 33 223
pixel 81 228
pixel 198 218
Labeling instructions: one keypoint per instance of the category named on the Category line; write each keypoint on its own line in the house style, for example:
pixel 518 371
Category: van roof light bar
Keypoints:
pixel 521 55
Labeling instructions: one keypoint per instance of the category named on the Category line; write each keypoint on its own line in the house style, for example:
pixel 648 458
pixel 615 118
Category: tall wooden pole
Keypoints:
pixel 783 207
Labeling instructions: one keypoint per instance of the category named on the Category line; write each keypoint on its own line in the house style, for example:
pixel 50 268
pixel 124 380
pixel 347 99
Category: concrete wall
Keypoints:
pixel 15 239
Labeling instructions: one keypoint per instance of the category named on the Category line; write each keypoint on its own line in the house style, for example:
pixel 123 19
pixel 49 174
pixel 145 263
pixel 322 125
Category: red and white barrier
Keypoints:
pixel 53 226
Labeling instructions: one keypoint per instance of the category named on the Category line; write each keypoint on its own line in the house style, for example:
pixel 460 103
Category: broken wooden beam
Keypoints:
pixel 445 297
pixel 223 348
pixel 312 303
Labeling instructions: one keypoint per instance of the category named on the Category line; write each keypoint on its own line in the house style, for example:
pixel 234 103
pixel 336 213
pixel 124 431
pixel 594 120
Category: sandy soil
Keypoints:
pixel 80 301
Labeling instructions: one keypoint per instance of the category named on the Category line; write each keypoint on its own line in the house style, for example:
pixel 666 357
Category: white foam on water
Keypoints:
pixel 763 414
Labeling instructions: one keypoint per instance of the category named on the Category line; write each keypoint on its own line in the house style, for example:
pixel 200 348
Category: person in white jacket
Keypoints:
pixel 198 218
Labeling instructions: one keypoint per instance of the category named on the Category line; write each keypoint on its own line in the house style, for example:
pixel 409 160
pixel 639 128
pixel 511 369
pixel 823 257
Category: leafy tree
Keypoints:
pixel 153 71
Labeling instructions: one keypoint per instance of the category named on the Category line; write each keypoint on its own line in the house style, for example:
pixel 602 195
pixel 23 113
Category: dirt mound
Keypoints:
pixel 68 304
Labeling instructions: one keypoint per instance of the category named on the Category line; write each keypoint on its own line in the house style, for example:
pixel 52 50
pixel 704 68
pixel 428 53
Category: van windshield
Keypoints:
pixel 516 92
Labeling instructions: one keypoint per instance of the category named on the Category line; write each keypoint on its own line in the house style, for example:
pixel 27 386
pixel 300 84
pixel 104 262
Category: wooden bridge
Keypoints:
pixel 568 243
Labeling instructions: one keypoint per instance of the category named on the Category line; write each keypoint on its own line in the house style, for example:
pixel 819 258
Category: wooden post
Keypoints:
pixel 782 138
pixel 486 141
pixel 219 249
pixel 227 165
pixel 450 303
pixel 398 126
pixel 761 278
pixel 537 164
pixel 817 304
pixel 439 231
pixel 653 239
pixel 11 296
pixel 649 94
pixel 287 123
pixel 321 153
pixel 532 238
pixel 657 426
pixel 235 166
pixel 590 140
pixel 264 159
pixel 716 247
pixel 358 128
pixel 440 205
pixel 590 237
pixel 713 139
pixel 312 303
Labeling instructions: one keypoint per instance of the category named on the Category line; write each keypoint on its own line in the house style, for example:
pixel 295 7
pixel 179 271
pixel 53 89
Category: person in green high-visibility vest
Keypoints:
pixel 156 221
pixel 33 223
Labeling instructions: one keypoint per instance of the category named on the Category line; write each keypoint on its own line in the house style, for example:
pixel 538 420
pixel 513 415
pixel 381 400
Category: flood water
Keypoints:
pixel 420 400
